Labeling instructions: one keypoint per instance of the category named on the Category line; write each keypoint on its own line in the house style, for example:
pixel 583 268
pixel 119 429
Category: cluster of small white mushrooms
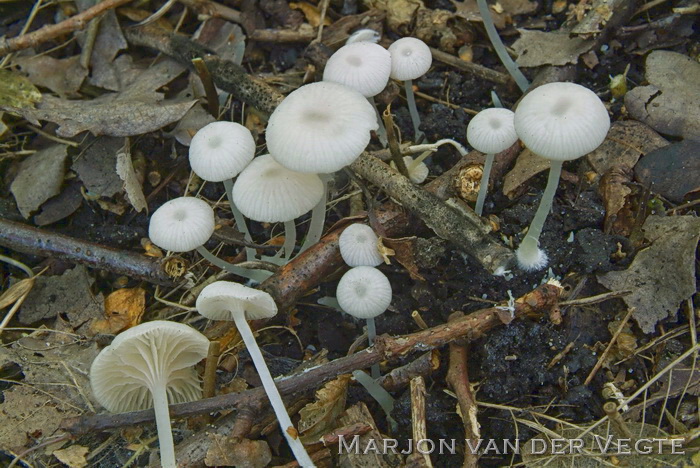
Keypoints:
pixel 363 292
pixel 149 366
pixel 224 300
pixel 557 121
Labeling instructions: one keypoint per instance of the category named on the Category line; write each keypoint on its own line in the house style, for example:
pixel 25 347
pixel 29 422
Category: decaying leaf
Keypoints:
pixel 39 178
pixel 241 453
pixel 624 144
pixel 527 166
pixel 321 416
pixel 60 206
pixel 16 291
pixel 359 414
pixel 132 184
pixel 399 13
pixel 96 166
pixel 68 295
pixel 661 275
pixel 536 48
pixel 614 189
pixel 669 104
pixel 17 91
pixel 672 171
pixel 73 456
pixel 62 76
pixel 311 12
pixel 443 28
pixel 405 253
pixel 123 309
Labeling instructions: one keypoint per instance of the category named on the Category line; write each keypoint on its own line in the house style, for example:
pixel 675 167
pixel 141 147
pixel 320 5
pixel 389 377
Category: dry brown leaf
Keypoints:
pixel 132 184
pixel 241 453
pixel 73 456
pixel 96 166
pixel 311 12
pixel 124 309
pixel 62 76
pixel 399 13
pixel 526 167
pixel 614 190
pixel 672 171
pixel 39 178
pixel 321 416
pixel 536 48
pixel 405 253
pixel 14 292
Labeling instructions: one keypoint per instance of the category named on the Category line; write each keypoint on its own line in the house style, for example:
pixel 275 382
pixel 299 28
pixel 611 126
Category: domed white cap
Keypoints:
pixel 358 246
pixel 268 192
pixel 219 300
pixel 492 131
pixel 362 66
pixel 561 121
pixel 220 150
pixel 418 172
pixel 410 58
pixel 364 292
pixel 154 353
pixel 181 224
pixel 320 128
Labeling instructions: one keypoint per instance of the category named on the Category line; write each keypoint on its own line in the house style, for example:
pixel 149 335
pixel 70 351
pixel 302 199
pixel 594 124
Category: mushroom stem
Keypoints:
pixel 318 217
pixel 255 275
pixel 290 238
pixel 432 147
pixel 381 131
pixel 240 220
pixel 165 434
pixel 288 429
pixel 484 185
pixel 411 100
pixel 530 244
pixel 500 49
pixel 371 335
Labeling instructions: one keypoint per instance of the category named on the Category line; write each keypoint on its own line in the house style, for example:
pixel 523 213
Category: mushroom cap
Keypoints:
pixel 219 300
pixel 561 121
pixel 363 35
pixel 320 128
pixel 492 131
pixel 181 224
pixel 410 58
pixel 364 292
pixel 220 150
pixel 362 66
pixel 358 246
pixel 144 356
pixel 268 192
pixel 417 174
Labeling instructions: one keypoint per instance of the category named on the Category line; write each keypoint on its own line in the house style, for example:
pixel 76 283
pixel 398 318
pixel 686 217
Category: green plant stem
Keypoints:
pixel 413 110
pixel 240 220
pixel 531 241
pixel 500 48
pixel 484 186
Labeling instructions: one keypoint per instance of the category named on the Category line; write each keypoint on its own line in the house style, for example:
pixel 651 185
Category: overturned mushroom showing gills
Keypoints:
pixel 560 122
pixel 490 132
pixel 150 365
pixel 224 300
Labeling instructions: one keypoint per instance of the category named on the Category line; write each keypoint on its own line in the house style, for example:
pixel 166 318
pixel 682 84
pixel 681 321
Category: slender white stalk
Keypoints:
pixel 318 217
pixel 371 335
pixel 273 394
pixel 500 49
pixel 255 275
pixel 413 110
pixel 165 433
pixel 529 247
pixel 239 219
pixel 381 131
pixel 484 185
pixel 434 147
pixel 290 239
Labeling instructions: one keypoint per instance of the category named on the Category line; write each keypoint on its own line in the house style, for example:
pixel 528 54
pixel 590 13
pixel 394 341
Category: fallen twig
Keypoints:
pixel 475 69
pixel 28 239
pixel 389 348
pixel 74 23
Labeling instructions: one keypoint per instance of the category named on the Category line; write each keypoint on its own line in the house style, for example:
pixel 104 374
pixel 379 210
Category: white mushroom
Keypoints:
pixel 490 131
pixel 560 122
pixel 358 246
pixel 223 300
pixel 362 66
pixel 150 365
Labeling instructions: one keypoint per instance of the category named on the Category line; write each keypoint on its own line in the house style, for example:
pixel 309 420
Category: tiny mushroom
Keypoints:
pixel 490 132
pixel 218 152
pixel 417 170
pixel 365 292
pixel 186 223
pixel 268 192
pixel 358 246
pixel 224 300
pixel 560 122
pixel 410 59
pixel 320 128
pixel 150 365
